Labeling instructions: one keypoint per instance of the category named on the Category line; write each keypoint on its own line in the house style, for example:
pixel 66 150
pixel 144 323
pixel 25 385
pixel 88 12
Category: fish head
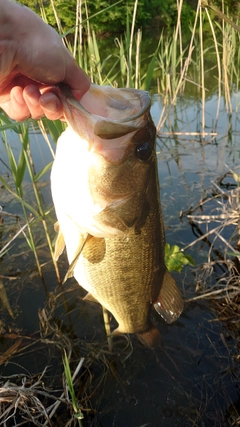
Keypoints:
pixel 119 135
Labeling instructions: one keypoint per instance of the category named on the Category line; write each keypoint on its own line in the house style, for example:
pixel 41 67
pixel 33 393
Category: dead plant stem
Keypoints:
pixel 166 111
pixel 202 69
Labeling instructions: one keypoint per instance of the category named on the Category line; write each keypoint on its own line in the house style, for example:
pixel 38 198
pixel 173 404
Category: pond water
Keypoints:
pixel 193 379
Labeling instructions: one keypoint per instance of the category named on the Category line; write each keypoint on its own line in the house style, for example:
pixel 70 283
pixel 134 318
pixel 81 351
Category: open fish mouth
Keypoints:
pixel 115 114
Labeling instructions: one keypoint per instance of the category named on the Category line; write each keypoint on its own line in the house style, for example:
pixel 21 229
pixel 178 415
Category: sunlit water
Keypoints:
pixel 188 382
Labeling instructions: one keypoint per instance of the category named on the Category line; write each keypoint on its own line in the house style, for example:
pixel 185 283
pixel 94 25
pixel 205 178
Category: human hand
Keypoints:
pixel 32 60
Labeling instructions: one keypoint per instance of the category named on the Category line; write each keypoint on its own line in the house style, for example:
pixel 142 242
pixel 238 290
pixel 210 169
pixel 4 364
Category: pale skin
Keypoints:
pixel 33 60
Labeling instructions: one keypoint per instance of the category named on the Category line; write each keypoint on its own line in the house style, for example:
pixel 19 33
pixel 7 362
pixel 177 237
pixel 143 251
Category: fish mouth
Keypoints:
pixel 106 112
pixel 131 103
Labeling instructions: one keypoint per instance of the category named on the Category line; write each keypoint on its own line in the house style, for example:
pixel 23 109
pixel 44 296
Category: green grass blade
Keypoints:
pixel 78 414
pixel 149 75
pixel 21 166
pixel 11 159
pixel 43 171
pixel 54 127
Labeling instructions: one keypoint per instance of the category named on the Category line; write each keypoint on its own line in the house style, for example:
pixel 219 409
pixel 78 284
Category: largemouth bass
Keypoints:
pixel 107 200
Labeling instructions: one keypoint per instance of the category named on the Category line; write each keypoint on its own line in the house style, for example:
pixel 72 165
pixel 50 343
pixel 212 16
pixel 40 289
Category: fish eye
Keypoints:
pixel 144 151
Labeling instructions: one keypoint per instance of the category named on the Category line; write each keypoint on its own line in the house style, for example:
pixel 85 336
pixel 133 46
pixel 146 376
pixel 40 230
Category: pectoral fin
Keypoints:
pixel 169 303
pixel 60 243
pixel 82 242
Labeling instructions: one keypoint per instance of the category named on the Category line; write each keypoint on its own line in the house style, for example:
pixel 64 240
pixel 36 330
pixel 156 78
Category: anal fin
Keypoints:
pixel 169 303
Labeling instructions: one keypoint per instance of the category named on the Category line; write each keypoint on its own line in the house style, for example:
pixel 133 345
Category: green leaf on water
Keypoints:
pixel 175 259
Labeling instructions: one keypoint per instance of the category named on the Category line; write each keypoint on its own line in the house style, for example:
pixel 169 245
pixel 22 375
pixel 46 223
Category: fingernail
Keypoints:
pixel 32 93
pixel 49 102
pixel 78 94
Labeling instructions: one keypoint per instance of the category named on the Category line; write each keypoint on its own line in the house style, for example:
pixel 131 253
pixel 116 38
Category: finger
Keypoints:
pixel 16 107
pixel 31 95
pixel 77 79
pixel 51 105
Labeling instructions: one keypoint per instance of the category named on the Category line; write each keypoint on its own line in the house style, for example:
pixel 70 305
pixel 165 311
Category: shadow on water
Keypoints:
pixel 192 380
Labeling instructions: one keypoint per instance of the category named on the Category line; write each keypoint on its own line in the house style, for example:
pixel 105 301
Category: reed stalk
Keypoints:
pixel 106 321
pixel 218 66
pixel 166 109
pixel 178 34
pixel 130 48
pixel 226 54
pixel 202 68
pixel 138 58
pixel 78 34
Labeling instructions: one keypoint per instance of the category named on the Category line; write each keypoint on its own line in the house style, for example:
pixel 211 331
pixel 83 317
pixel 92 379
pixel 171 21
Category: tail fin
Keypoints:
pixel 169 303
